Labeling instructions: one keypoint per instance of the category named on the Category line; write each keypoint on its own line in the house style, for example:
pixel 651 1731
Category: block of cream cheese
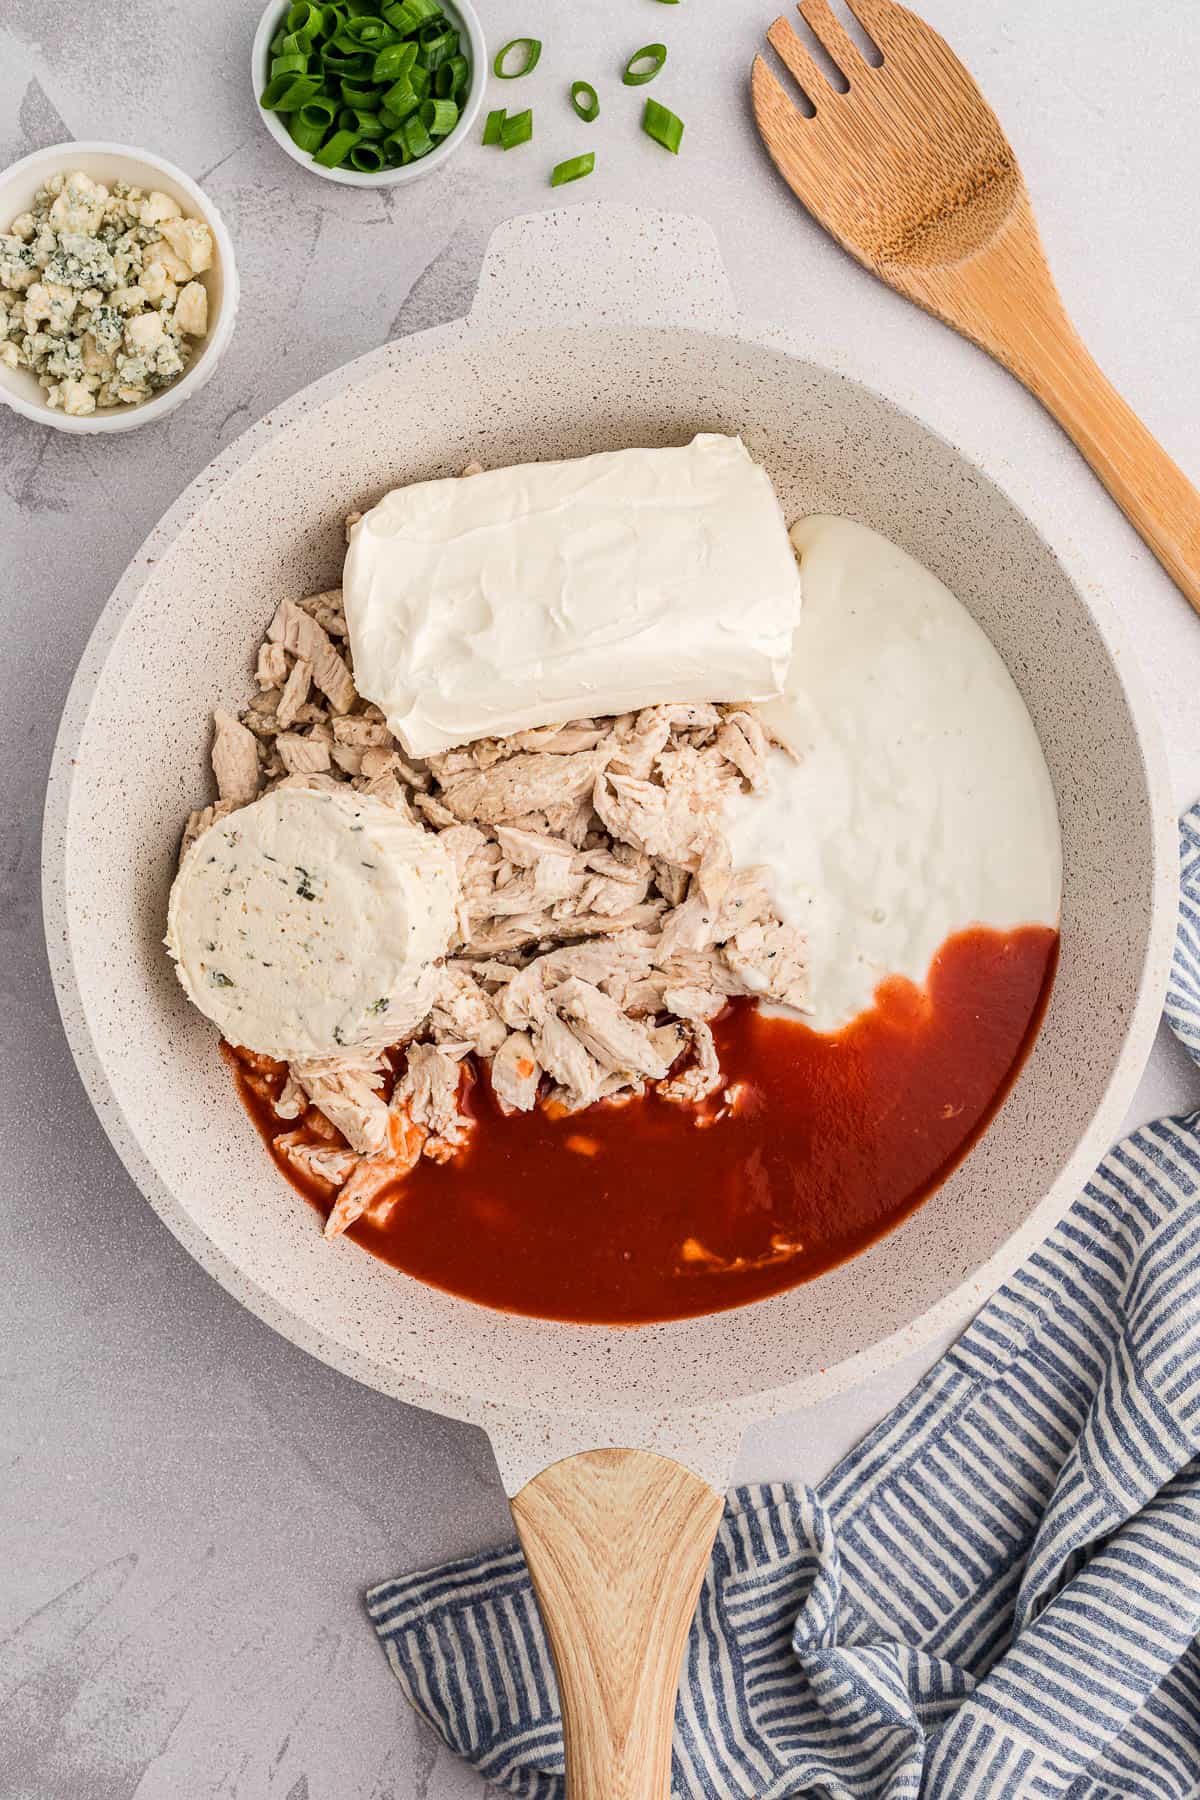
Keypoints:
pixel 484 605
pixel 308 923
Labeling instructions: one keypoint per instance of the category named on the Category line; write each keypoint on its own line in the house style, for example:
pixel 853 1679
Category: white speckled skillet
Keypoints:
pixel 593 328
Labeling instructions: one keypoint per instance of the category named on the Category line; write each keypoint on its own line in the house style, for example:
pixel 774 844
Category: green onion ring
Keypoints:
pixel 585 100
pixel 400 99
pixel 416 137
pixel 664 126
pixel 438 45
pixel 368 159
pixel 453 76
pixel 635 77
pixel 574 169
pixel 336 150
pixel 393 61
pixel 310 125
pixel 493 125
pixel 288 93
pixel 368 125
pixel 532 48
pixel 439 117
pixel 517 129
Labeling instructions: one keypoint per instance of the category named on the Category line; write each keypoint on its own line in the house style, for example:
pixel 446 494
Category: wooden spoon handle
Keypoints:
pixel 1152 491
pixel 1007 301
pixel 617 1543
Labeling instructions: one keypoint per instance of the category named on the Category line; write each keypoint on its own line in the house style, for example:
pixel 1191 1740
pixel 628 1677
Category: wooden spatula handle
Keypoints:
pixel 1006 299
pixel 617 1543
pixel 1152 491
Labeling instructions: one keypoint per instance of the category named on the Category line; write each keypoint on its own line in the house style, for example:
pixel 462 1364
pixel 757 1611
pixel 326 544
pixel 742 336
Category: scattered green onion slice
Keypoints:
pixel 369 84
pixel 585 100
pixel 664 126
pixel 574 169
pixel 532 48
pixel 653 54
pixel 494 125
pixel 517 129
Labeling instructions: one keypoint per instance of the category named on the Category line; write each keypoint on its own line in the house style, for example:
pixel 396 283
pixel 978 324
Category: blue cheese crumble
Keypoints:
pixel 99 292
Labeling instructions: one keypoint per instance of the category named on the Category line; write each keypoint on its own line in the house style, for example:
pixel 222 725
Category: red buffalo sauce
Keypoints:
pixel 646 1210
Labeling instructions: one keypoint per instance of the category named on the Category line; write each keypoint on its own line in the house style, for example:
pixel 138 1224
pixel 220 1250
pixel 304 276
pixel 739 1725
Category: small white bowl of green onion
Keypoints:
pixel 369 92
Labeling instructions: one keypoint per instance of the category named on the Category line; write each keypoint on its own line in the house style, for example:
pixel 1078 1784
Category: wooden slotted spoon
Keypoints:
pixel 912 174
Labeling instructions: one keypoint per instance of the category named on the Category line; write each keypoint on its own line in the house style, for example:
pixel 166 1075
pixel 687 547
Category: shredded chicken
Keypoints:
pixel 301 636
pixel 349 1095
pixel 397 1156
pixel 234 760
pixel 429 1089
pixel 602 926
pixel 516 1074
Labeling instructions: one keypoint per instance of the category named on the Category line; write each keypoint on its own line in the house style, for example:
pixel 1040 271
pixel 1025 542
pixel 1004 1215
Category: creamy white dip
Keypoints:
pixel 921 803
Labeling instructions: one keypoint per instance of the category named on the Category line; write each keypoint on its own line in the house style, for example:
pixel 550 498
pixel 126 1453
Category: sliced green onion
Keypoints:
pixel 654 55
pixel 310 125
pixel 366 124
pixel 367 84
pixel 451 79
pixel 336 150
pixel 532 48
pixel 333 62
pixel 439 42
pixel 288 93
pixel 439 117
pixel 400 99
pixel 517 129
pixel 664 126
pixel 574 169
pixel 369 34
pixel 585 100
pixel 393 61
pixel 494 126
pixel 416 137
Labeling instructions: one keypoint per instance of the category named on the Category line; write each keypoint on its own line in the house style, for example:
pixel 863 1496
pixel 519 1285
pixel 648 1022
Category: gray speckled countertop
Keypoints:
pixel 189 1507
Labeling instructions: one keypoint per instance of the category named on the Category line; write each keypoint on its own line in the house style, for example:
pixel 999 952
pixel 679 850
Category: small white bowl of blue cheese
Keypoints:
pixel 118 288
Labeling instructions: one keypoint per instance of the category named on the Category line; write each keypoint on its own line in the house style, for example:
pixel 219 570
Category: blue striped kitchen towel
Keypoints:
pixel 996 1594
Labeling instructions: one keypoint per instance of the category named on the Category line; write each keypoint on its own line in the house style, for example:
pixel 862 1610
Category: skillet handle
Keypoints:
pixel 617 1543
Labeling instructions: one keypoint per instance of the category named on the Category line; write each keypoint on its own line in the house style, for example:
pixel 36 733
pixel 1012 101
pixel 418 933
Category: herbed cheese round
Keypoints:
pixel 308 923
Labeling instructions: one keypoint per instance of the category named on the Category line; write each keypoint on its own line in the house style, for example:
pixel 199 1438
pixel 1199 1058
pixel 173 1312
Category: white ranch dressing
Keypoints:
pixel 921 804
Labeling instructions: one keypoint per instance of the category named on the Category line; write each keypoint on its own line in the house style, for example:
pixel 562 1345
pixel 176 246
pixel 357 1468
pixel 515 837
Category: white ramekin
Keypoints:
pixel 19 388
pixel 462 15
